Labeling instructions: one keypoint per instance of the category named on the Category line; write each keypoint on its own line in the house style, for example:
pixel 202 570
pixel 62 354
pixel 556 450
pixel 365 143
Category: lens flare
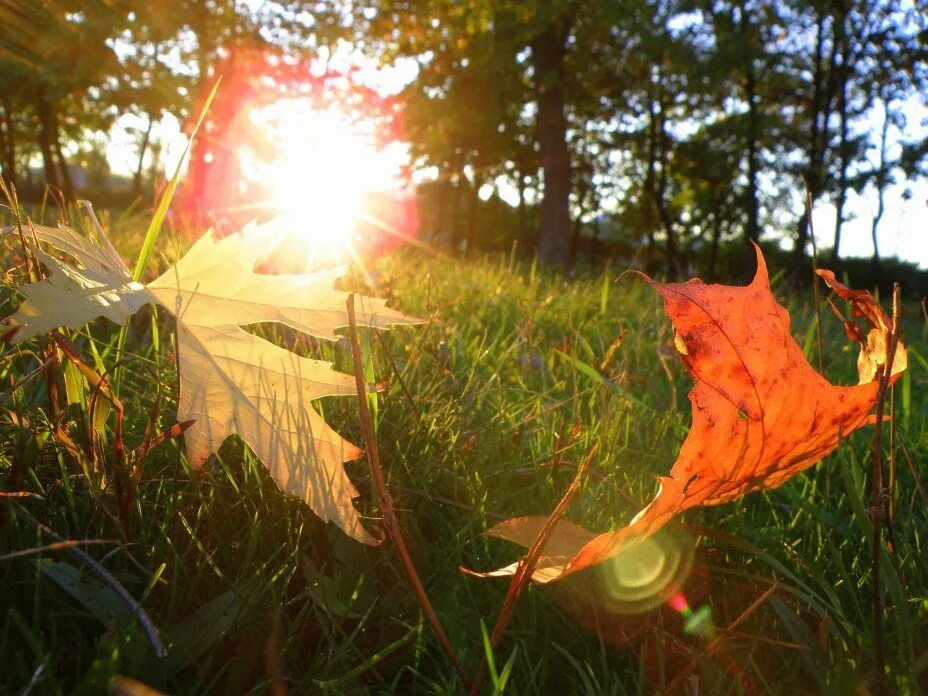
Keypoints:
pixel 697 622
pixel 646 574
pixel 622 598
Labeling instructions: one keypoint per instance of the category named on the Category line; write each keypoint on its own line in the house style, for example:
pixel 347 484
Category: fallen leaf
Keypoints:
pixel 72 296
pixel 761 413
pixel 231 381
pixel 874 345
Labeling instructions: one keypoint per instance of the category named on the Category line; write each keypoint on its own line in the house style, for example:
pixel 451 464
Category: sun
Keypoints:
pixel 321 169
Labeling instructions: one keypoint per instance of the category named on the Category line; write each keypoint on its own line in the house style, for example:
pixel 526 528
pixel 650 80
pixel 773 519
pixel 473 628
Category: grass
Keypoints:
pixel 250 592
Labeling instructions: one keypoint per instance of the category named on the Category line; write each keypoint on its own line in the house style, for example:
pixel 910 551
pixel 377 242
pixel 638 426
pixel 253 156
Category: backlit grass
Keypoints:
pixel 248 588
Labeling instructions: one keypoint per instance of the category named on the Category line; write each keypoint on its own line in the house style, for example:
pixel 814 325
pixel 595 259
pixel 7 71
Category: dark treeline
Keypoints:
pixel 669 132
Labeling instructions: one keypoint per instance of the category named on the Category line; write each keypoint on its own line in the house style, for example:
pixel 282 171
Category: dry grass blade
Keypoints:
pixel 94 378
pixel 174 431
pixel 399 376
pixel 29 375
pixel 101 235
pixel 526 567
pixel 717 641
pixel 9 192
pixel 386 502
pixel 56 546
pixel 52 373
pixel 877 501
pixel 913 470
pixel 100 385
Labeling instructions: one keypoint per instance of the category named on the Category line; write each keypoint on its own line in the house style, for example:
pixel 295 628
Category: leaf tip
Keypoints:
pixel 761 276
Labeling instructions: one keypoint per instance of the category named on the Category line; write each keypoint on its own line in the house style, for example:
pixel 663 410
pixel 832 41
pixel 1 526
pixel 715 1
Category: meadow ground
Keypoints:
pixel 251 592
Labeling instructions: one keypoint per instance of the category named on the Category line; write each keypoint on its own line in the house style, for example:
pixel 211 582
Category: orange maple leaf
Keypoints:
pixel 761 413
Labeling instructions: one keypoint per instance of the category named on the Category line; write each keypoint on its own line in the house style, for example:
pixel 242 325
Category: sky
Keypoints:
pixel 122 143
pixel 903 230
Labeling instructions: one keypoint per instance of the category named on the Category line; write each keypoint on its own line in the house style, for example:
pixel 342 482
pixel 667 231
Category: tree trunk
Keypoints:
pixel 881 181
pixel 584 205
pixel 843 154
pixel 470 237
pixel 716 239
pixel 437 218
pixel 658 191
pixel 137 179
pixel 526 241
pixel 67 183
pixel 204 52
pixel 820 111
pixel 548 50
pixel 46 143
pixel 650 262
pixel 596 252
pixel 752 228
pixel 64 174
pixel 455 236
pixel 7 143
pixel 673 262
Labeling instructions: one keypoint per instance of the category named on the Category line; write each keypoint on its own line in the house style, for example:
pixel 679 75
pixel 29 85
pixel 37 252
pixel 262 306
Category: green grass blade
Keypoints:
pixel 154 227
pixel 599 378
pixel 370 663
pixel 488 652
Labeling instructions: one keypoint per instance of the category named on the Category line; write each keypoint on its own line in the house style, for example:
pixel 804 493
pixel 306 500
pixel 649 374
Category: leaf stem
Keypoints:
pixel 820 340
pixel 877 503
pixel 386 501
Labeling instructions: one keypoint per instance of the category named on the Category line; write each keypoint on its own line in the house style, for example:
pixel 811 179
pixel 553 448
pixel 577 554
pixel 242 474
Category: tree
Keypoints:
pixel 463 122
pixel 64 80
pixel 148 85
pixel 549 50
pixel 14 118
pixel 533 44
